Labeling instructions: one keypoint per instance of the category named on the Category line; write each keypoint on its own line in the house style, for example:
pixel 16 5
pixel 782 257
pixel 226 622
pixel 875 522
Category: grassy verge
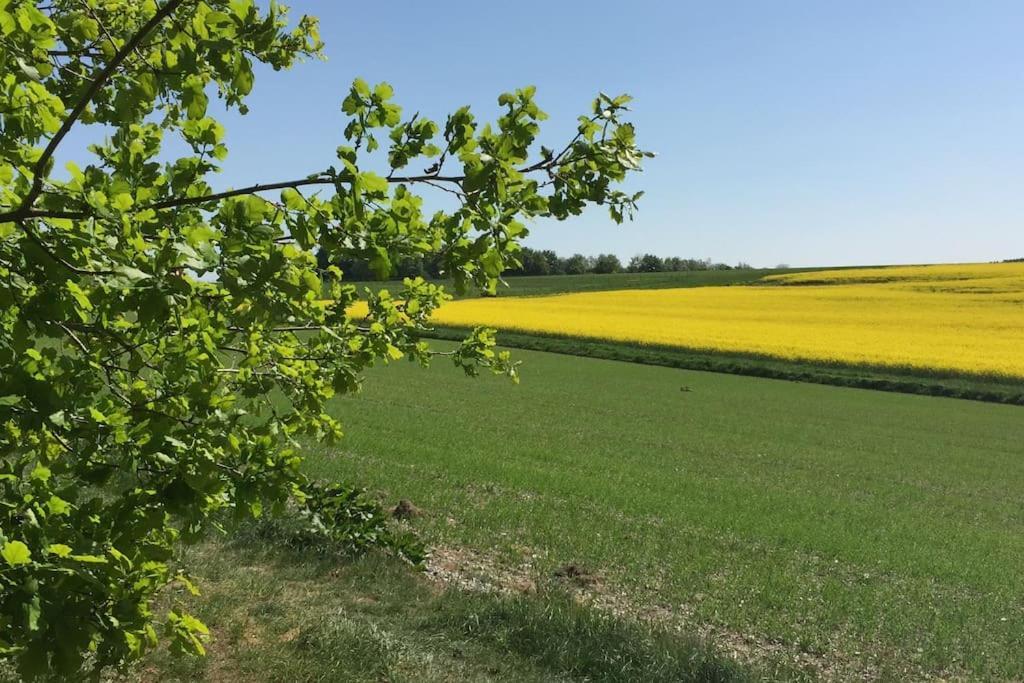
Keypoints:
pixel 908 381
pixel 866 533
pixel 282 613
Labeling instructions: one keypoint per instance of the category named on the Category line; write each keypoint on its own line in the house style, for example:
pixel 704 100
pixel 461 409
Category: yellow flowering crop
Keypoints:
pixel 963 318
pixel 1004 278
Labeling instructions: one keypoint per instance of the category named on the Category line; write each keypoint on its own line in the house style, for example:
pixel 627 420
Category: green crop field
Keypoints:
pixel 542 285
pixel 842 531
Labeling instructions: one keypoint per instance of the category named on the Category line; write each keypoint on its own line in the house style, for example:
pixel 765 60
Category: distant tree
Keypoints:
pixel 674 264
pixel 648 263
pixel 556 265
pixel 411 267
pixel 607 263
pixel 577 264
pixel 530 262
pixel 743 265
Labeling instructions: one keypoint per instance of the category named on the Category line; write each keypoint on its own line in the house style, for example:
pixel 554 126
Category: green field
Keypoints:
pixel 901 380
pixel 852 532
pixel 542 285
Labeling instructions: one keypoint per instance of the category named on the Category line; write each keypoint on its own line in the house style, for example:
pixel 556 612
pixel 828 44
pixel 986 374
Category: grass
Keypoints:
pixel 857 533
pixel 902 380
pixel 278 612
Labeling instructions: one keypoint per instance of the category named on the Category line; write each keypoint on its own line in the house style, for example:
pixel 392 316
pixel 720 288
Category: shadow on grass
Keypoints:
pixel 555 632
pixel 283 608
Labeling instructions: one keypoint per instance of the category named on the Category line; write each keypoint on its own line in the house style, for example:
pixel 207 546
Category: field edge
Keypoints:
pixel 897 380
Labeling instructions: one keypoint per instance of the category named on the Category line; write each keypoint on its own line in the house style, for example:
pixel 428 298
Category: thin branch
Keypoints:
pixel 293 328
pixel 458 193
pixel 74 337
pixel 73 53
pixel 19 214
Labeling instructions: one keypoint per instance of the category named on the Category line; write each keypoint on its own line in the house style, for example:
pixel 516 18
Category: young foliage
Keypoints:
pixel 165 346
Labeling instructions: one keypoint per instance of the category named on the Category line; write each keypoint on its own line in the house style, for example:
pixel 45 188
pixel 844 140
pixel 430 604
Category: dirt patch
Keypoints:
pixel 469 570
pixel 406 510
pixel 576 574
pixel 290 635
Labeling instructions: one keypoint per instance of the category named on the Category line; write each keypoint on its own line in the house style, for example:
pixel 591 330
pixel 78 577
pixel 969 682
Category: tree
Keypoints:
pixel 165 345
pixel 555 265
pixel 577 264
pixel 531 262
pixel 648 263
pixel 674 264
pixel 607 263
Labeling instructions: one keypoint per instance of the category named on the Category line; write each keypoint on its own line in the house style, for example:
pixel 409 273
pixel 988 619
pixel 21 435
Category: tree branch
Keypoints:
pixel 177 202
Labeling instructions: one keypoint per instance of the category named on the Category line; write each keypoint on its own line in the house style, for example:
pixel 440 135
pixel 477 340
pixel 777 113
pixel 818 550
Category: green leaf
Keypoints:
pixel 28 69
pixel 16 553
pixel 243 81
pixel 371 182
pixel 133 274
pixel 79 295
pixel 196 102
pixel 32 613
pixel 7 23
pixel 122 201
pixel 291 198
pixel 58 506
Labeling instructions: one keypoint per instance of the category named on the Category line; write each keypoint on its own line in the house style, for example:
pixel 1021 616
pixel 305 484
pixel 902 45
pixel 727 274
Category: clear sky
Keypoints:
pixel 807 133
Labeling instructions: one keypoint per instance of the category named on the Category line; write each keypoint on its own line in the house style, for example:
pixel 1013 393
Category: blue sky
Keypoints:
pixel 787 132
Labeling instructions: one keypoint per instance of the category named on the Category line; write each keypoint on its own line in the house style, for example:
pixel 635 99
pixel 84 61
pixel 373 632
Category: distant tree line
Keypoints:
pixel 360 270
pixel 547 262
pixel 541 262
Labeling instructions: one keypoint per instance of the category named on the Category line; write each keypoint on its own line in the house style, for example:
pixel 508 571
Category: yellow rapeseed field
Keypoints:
pixel 964 318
